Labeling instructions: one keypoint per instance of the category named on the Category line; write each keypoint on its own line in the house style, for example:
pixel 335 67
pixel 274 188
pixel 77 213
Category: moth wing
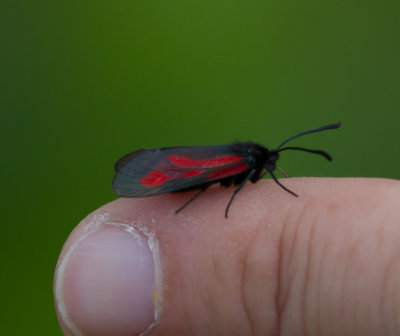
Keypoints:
pixel 149 172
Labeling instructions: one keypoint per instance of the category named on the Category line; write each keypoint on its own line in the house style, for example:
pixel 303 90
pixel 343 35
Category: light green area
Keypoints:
pixel 84 82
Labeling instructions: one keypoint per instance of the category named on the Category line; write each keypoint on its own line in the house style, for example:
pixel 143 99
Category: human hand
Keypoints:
pixel 324 263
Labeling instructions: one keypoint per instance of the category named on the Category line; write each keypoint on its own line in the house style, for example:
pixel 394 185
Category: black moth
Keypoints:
pixel 149 172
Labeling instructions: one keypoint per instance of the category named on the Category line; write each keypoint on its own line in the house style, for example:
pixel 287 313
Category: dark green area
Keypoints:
pixel 83 83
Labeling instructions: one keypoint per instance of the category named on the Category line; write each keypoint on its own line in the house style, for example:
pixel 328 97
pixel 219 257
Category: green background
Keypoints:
pixel 84 82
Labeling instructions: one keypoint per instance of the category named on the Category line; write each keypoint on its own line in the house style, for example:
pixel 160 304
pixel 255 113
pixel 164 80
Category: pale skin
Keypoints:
pixel 324 263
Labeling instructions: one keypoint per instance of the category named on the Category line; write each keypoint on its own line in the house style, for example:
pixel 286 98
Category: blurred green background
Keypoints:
pixel 84 82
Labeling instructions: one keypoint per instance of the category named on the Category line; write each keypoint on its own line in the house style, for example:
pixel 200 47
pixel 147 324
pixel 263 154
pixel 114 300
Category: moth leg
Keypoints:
pixel 282 171
pixel 281 185
pixel 248 177
pixel 191 200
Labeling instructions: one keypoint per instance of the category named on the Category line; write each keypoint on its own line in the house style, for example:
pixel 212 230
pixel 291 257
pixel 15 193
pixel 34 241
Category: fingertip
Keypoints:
pixel 105 283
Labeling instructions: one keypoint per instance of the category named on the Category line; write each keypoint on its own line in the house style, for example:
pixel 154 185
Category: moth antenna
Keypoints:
pixel 314 151
pixel 319 129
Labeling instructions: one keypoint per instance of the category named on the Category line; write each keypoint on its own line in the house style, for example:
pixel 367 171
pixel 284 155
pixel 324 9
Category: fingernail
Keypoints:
pixel 106 285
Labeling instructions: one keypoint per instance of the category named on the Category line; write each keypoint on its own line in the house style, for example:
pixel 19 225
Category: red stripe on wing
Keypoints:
pixel 154 178
pixel 185 161
pixel 157 178
pixel 241 167
pixel 193 172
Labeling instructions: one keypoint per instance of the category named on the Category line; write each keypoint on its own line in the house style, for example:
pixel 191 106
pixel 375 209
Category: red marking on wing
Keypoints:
pixel 241 167
pixel 154 178
pixel 192 172
pixel 185 161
